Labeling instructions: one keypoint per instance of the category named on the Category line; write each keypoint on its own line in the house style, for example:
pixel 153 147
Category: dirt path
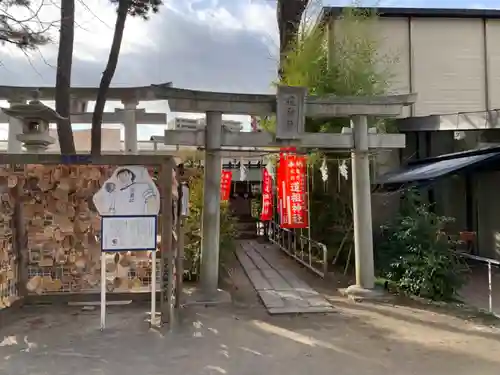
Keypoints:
pixel 359 338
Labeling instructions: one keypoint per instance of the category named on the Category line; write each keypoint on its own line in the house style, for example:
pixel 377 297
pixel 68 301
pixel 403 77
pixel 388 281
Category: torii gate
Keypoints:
pixel 291 105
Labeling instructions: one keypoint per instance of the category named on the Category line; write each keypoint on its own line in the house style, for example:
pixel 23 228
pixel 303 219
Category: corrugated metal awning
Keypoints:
pixel 428 170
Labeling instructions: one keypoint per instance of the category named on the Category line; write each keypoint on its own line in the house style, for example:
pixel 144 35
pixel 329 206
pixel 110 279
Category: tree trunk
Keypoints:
pixel 107 76
pixel 289 14
pixel 63 76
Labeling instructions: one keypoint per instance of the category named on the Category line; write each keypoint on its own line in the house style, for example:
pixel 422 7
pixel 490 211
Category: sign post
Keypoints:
pixel 129 204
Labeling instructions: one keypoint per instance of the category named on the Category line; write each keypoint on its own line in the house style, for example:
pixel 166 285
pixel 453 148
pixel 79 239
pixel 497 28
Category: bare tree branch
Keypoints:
pixel 26 32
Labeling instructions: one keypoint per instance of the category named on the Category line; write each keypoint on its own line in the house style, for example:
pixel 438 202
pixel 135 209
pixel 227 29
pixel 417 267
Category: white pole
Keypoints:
pixel 103 290
pixel 153 289
pixel 490 289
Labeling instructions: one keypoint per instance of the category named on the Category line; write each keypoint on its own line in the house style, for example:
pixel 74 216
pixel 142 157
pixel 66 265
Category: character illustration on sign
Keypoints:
pixel 129 191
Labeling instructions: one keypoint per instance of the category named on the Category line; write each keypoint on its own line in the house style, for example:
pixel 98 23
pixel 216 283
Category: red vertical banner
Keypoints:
pixel 292 191
pixel 267 196
pixel 281 185
pixel 225 185
pixel 296 192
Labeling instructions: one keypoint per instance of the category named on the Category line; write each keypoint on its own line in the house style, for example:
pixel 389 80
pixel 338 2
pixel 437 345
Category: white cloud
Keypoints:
pixel 93 32
pixel 219 45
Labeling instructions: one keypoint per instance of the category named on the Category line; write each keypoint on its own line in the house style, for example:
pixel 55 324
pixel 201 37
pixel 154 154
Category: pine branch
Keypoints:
pixel 26 33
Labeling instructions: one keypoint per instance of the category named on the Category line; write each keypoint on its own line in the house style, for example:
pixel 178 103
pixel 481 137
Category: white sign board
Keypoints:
pixel 185 201
pixel 128 233
pixel 129 204
pixel 129 191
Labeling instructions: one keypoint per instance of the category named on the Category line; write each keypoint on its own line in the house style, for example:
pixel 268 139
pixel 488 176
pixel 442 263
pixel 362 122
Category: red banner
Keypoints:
pixel 292 191
pixel 280 185
pixel 225 185
pixel 267 196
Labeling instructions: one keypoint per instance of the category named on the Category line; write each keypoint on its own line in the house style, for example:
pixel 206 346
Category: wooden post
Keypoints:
pixel 20 241
pixel 179 260
pixel 166 259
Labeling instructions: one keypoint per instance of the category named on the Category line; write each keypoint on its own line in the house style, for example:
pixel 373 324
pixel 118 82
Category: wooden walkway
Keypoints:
pixel 279 288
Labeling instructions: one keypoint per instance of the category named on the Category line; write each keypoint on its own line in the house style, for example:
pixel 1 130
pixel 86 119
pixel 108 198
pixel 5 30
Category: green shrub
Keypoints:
pixel 417 256
pixel 192 247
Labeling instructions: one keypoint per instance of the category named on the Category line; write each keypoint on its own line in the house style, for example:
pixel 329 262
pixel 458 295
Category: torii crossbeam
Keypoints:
pixel 291 105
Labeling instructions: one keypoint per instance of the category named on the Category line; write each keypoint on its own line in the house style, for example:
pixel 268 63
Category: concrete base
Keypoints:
pixel 359 293
pixel 195 296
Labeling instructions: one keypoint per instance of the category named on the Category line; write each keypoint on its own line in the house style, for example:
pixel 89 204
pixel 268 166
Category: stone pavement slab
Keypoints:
pixel 279 288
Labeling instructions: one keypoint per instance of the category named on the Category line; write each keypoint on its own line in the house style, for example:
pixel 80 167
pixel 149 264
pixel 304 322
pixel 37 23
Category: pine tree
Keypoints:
pixel 63 76
pixel 289 14
pixel 134 8
pixel 26 33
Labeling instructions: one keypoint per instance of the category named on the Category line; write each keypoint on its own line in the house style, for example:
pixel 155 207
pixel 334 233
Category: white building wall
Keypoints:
pixel 183 123
pixel 453 64
pixel 448 63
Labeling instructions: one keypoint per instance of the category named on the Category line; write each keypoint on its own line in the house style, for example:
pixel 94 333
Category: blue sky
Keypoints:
pixel 219 45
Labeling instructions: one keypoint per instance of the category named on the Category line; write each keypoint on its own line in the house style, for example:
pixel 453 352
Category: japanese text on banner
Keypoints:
pixel 293 176
pixel 281 185
pixel 267 196
pixel 225 185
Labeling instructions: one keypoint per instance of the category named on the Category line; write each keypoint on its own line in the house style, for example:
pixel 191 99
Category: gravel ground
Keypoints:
pixel 241 338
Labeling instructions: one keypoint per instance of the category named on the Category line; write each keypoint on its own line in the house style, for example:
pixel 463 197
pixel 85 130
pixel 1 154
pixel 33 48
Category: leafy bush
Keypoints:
pixel 192 246
pixel 417 256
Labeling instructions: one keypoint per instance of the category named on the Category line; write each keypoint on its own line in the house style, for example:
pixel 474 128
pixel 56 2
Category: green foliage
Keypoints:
pixel 193 228
pixel 141 8
pixel 331 208
pixel 417 255
pixel 348 65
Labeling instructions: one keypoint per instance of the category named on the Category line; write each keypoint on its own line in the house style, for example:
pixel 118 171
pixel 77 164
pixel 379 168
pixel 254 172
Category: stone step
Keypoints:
pixel 245 220
pixel 246 236
pixel 246 227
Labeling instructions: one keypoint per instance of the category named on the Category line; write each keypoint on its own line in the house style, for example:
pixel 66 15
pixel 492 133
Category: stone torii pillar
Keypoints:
pixel 130 125
pixel 362 208
pixel 291 106
pixel 211 203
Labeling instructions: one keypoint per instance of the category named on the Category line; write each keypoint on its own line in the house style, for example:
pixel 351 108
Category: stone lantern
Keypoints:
pixel 35 117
